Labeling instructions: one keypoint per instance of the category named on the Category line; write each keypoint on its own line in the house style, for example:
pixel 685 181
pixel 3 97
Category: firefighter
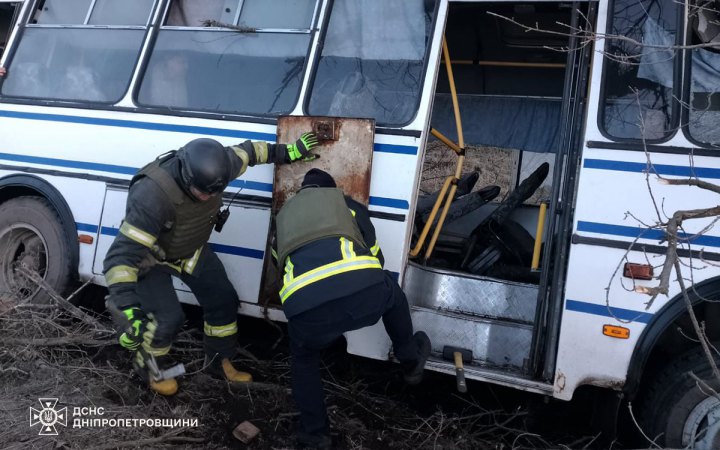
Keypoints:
pixel 334 282
pixel 172 206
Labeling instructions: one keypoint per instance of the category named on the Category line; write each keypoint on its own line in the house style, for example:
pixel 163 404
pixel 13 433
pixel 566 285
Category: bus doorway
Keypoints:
pixel 492 265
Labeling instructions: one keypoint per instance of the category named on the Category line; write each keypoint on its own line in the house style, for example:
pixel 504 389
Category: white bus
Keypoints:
pixel 582 97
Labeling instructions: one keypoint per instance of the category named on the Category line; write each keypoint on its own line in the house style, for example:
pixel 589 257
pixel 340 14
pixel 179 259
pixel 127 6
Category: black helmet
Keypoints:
pixel 204 166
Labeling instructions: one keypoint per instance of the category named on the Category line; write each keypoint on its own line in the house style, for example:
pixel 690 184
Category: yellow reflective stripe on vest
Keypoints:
pixel 328 270
pixel 347 248
pixel 220 330
pixel 352 211
pixel 189 264
pixel 287 279
pixel 375 248
pixel 137 235
pixel 121 274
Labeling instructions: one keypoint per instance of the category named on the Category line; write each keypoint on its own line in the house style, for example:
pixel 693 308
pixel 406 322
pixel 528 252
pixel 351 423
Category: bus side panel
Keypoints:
pixel 616 202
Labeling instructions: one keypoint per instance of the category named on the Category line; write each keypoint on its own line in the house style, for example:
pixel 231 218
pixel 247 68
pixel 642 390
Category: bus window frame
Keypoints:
pixel 271 119
pixel 686 100
pixel 24 24
pixel 677 86
pixel 421 82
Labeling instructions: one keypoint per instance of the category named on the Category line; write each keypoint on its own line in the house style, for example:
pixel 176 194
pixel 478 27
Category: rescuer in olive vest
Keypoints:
pixel 172 206
pixel 334 282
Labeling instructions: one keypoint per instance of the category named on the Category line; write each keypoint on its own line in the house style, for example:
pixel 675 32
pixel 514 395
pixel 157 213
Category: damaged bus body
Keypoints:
pixel 548 133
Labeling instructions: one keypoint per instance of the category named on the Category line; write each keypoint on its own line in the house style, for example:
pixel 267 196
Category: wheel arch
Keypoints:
pixel 23 185
pixel 655 341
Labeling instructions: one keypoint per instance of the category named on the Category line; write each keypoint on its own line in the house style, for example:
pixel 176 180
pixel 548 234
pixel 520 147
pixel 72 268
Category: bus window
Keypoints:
pixel 127 12
pixel 705 73
pixel 638 79
pixel 62 12
pixel 277 14
pixel 235 63
pixel 372 60
pixel 63 56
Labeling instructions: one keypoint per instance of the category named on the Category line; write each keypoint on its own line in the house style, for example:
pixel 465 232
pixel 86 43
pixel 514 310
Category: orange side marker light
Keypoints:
pixel 615 331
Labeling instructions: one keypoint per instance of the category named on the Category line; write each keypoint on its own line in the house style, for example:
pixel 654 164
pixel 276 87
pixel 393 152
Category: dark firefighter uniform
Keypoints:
pixel 334 282
pixel 164 234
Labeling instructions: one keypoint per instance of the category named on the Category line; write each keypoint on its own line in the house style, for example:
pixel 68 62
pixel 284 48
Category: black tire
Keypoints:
pixel 31 233
pixel 674 407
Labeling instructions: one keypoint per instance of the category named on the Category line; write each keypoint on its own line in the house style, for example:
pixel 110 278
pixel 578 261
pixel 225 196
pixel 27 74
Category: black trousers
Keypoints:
pixel 314 330
pixel 213 290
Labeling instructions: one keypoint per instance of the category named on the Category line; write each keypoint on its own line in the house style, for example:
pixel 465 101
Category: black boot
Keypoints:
pixel 413 373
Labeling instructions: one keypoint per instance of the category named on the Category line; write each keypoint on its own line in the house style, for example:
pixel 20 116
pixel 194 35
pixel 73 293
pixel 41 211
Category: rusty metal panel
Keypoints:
pixel 346 149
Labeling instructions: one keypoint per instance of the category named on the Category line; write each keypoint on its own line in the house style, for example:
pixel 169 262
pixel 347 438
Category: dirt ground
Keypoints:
pixel 60 352
pixel 495 166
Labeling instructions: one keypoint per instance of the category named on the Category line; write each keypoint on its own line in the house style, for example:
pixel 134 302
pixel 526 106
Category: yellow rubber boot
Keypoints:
pixel 234 375
pixel 165 387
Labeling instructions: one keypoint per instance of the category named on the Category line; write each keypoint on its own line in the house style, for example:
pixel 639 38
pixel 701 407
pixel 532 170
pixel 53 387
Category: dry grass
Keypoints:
pixel 48 351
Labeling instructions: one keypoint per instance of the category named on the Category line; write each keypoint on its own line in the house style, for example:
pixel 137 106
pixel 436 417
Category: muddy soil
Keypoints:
pixel 46 353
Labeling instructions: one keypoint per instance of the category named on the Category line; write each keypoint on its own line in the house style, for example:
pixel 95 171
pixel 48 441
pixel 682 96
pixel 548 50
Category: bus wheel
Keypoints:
pixel 32 239
pixel 680 411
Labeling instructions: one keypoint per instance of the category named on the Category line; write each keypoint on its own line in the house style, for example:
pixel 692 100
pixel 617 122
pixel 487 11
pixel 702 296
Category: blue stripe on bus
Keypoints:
pixel 240 251
pixel 208 131
pixel 89 228
pixel 69 163
pixel 220 248
pixel 108 231
pixel 393 148
pixel 644 233
pixel 611 311
pixel 254 185
pixel 660 169
pixel 140 125
pixel 389 202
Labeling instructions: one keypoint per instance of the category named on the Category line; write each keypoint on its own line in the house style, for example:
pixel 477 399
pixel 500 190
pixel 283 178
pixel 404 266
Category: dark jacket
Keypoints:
pixel 327 251
pixel 149 213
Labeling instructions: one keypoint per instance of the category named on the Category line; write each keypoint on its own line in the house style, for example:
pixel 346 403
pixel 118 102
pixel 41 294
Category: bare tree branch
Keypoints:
pixel 671 257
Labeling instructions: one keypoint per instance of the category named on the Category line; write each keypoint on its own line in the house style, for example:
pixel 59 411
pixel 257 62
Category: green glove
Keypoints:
pixel 302 147
pixel 132 338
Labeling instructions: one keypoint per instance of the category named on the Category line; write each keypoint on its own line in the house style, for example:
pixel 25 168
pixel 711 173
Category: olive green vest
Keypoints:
pixel 313 214
pixel 194 220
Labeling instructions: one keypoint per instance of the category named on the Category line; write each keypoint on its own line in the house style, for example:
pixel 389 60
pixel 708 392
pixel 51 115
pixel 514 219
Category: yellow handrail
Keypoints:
pixel 421 240
pixel 535 265
pixel 444 139
pixel 459 149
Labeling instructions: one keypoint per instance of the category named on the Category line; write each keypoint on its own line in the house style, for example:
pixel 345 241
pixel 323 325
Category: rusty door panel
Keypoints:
pixel 346 150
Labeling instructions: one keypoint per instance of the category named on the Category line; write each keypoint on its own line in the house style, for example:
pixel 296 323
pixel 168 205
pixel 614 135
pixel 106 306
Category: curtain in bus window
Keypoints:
pixel 530 123
pixel 372 60
pixel 704 102
pixel 638 81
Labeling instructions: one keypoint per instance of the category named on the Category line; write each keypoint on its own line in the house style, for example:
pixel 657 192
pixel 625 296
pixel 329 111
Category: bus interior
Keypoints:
pixel 510 70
